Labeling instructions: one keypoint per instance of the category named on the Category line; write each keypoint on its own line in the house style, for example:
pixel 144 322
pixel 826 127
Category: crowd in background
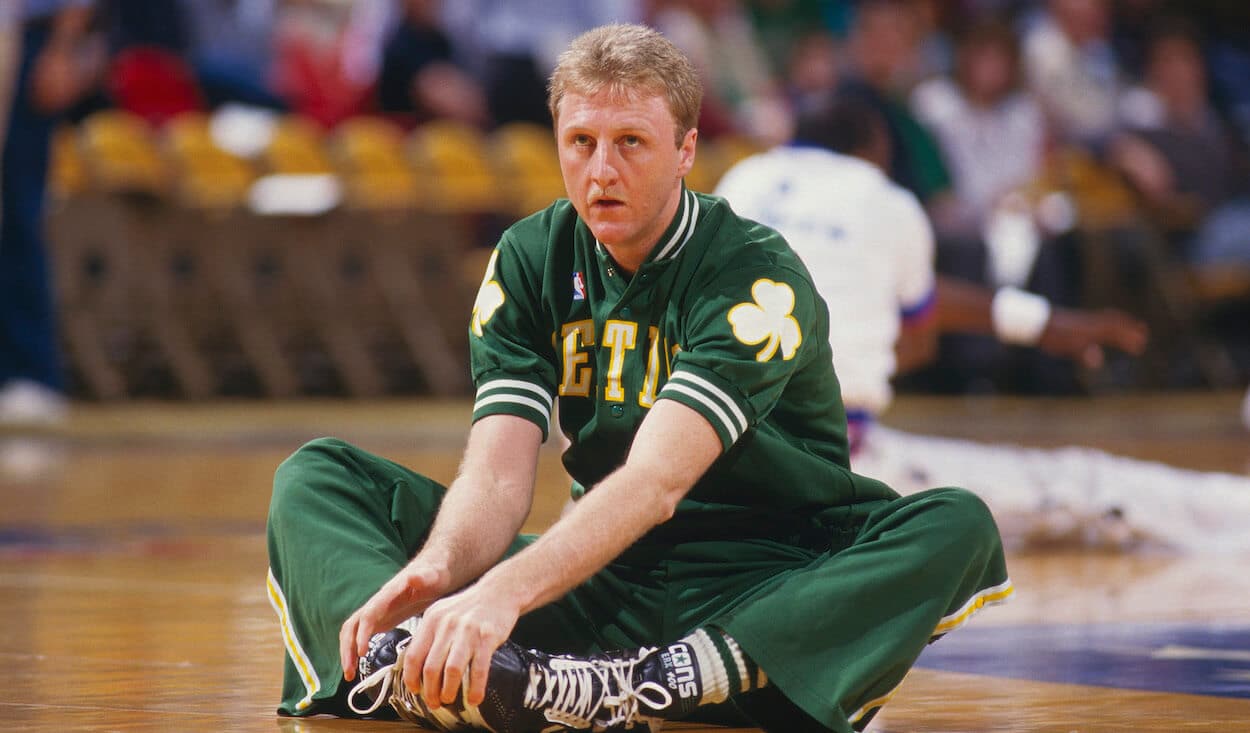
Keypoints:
pixel 1017 123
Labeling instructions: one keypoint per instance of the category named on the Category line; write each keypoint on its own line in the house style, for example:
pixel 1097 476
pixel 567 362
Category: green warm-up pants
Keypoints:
pixel 835 619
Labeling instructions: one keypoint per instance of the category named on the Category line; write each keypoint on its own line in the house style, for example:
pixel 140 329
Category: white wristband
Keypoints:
pixel 1019 317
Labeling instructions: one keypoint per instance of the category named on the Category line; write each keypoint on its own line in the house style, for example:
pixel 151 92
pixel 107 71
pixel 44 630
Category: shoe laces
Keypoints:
pixel 377 684
pixel 565 690
pixel 385 684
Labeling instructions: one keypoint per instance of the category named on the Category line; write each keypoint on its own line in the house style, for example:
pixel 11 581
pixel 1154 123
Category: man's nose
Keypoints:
pixel 603 165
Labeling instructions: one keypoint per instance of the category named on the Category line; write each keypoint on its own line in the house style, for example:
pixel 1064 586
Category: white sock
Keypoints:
pixel 723 667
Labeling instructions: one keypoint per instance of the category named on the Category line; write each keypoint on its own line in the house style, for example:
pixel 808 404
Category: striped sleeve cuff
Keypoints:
pixel 710 399
pixel 504 396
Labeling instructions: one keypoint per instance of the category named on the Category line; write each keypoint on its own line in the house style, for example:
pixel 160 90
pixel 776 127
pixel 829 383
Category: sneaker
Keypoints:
pixel 381 681
pixel 532 692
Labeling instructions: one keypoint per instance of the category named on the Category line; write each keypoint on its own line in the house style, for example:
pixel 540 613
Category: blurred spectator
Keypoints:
pixel 328 56
pixel 1178 153
pixel 420 78
pixel 992 136
pixel 740 92
pixel 58 62
pixel 231 49
pixel 779 23
pixel 147 73
pixel 1132 23
pixel 934 46
pixel 513 45
pixel 813 67
pixel 883 45
pixel 884 41
pixel 990 130
pixel 1227 46
pixel 143 23
pixel 153 83
pixel 1070 65
pixel 10 53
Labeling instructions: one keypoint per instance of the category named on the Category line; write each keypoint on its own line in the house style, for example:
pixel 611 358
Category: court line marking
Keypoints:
pixel 1180 651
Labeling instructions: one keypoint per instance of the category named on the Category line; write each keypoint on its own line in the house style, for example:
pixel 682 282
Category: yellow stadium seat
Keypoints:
pixel 67 172
pixel 120 153
pixel 452 159
pixel 709 166
pixel 1102 196
pixel 370 157
pixel 207 176
pixel 297 147
pixel 526 155
pixel 736 147
pixel 714 157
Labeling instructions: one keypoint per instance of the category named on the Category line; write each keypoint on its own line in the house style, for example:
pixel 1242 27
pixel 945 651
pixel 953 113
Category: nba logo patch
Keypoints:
pixel 579 287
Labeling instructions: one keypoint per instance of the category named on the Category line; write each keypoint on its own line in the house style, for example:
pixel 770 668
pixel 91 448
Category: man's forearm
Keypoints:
pixel 602 525
pixel 486 504
pixel 474 527
pixel 963 307
pixel 620 509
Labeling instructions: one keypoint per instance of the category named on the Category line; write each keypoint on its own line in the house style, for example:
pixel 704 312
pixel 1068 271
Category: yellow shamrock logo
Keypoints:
pixel 489 297
pixel 768 320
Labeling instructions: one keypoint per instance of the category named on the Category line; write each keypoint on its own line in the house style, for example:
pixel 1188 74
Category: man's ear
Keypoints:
pixel 686 151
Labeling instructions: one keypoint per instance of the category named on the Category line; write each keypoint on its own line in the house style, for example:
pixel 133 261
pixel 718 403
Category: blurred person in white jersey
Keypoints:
pixel 869 248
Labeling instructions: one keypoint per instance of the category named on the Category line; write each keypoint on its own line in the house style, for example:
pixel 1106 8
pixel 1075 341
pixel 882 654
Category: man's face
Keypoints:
pixel 884 43
pixel 1177 74
pixel 621 166
pixel 986 71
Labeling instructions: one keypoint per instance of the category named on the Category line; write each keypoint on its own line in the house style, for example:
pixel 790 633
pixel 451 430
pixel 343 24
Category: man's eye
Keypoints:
pixel 631 141
pixel 581 139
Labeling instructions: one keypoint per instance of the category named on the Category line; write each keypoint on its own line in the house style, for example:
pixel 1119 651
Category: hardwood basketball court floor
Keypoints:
pixel 132 569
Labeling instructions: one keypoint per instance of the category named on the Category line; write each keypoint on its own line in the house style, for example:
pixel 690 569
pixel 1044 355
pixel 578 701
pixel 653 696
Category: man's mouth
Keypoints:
pixel 606 204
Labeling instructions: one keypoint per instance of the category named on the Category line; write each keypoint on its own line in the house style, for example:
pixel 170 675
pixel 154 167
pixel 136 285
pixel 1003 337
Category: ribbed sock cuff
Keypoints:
pixel 750 676
pixel 724 669
pixel 713 675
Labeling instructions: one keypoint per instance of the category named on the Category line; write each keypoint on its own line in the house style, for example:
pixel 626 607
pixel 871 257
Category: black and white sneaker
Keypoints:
pixel 380 682
pixel 532 692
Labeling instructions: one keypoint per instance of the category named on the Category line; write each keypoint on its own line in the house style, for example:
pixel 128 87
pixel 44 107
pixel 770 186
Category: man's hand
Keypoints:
pixel 479 516
pixel 458 635
pixel 408 593
pixel 456 638
pixel 1082 335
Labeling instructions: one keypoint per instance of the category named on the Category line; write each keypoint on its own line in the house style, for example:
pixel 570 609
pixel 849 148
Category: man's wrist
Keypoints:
pixel 508 588
pixel 1019 317
pixel 432 562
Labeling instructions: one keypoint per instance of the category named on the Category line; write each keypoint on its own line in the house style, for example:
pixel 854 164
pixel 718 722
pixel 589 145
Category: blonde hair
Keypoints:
pixel 627 60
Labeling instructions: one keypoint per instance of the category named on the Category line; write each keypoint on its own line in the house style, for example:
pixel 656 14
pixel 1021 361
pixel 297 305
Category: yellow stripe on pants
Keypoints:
pixel 306 670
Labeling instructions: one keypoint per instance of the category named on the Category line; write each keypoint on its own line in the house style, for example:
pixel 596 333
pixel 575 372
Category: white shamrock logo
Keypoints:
pixel 768 320
pixel 489 297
